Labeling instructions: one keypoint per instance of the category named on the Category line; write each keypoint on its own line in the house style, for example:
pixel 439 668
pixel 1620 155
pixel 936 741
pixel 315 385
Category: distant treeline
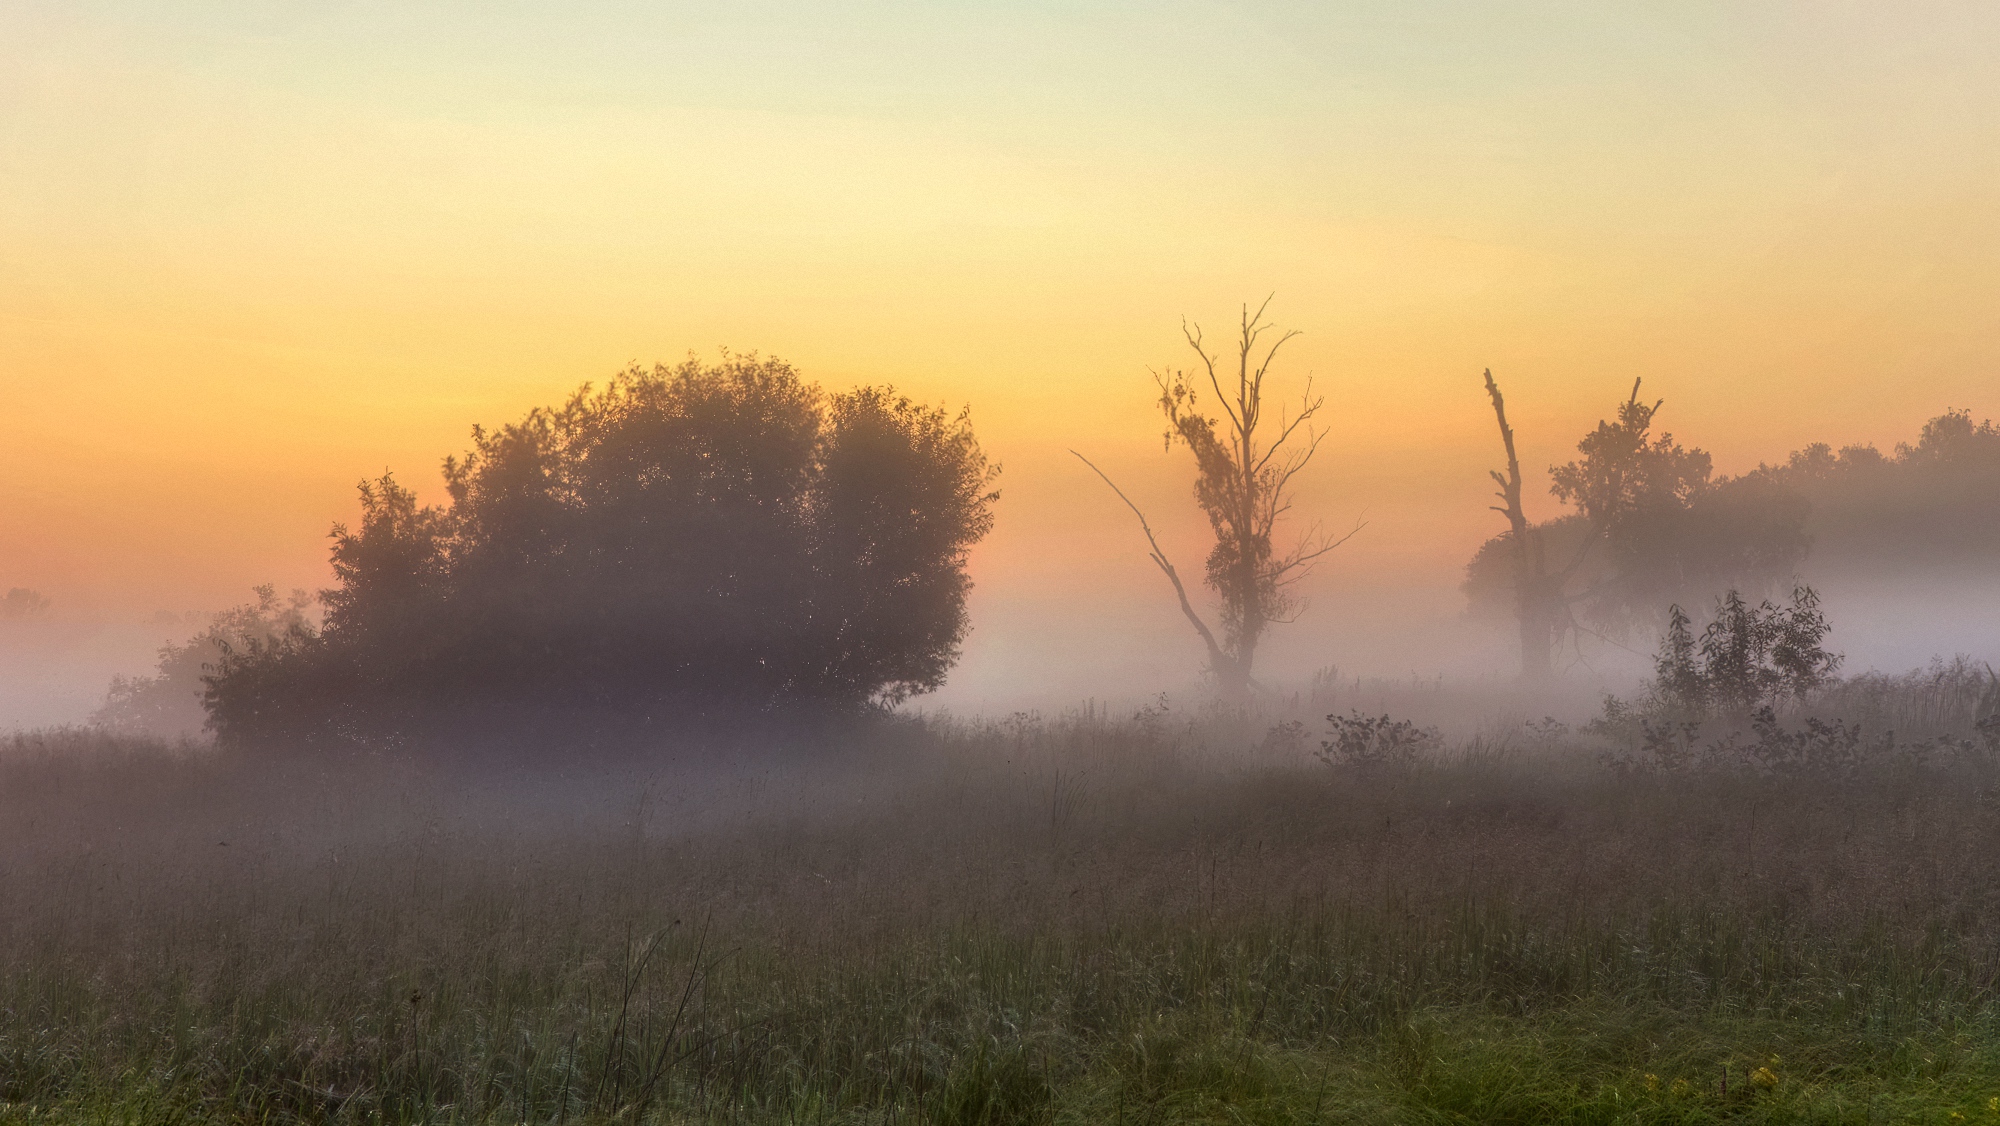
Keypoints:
pixel 702 540
pixel 1930 509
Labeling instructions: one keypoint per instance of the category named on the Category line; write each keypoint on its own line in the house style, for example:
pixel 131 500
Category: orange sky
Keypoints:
pixel 250 253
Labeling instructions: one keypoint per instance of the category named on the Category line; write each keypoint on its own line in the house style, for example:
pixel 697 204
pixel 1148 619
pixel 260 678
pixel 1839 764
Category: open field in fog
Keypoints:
pixel 1164 918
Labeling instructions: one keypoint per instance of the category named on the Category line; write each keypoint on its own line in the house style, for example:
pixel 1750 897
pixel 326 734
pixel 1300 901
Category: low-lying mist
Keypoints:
pixel 1037 918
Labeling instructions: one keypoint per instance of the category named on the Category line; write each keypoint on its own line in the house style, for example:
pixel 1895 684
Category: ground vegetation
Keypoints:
pixel 1163 918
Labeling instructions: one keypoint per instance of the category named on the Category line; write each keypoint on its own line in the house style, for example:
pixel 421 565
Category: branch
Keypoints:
pixel 1194 342
pixel 1294 465
pixel 1308 407
pixel 1304 556
pixel 1217 658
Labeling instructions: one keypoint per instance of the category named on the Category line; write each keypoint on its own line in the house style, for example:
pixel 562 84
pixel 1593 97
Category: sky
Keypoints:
pixel 253 252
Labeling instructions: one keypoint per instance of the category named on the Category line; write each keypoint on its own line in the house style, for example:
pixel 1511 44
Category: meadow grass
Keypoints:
pixel 1151 921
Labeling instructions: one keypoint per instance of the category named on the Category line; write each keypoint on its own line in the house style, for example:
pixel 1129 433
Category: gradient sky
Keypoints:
pixel 251 252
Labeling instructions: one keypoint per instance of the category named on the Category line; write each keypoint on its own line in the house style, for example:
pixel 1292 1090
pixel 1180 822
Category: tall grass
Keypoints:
pixel 1166 918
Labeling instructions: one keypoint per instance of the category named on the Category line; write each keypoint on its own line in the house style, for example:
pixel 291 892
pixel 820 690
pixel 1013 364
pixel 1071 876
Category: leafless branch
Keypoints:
pixel 1307 553
pixel 1215 654
pixel 1208 363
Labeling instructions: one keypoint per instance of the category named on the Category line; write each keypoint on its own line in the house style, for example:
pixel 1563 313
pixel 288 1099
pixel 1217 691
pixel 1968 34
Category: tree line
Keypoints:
pixel 723 539
pixel 1645 526
pixel 1651 528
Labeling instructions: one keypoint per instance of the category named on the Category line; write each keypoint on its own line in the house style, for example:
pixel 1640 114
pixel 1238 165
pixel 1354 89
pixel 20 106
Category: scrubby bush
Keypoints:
pixel 1360 740
pixel 1758 689
pixel 1747 656
pixel 168 703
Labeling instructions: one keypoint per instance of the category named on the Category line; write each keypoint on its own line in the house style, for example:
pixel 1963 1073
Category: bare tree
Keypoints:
pixel 1243 475
pixel 1538 602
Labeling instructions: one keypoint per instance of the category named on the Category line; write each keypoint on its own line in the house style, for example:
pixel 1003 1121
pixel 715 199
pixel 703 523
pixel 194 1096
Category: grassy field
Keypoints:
pixel 1155 920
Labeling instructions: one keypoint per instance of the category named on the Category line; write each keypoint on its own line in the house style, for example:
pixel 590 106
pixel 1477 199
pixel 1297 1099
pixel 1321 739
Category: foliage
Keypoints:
pixel 697 540
pixel 1624 475
pixel 1747 656
pixel 1242 484
pixel 168 703
pixel 1748 661
pixel 1930 508
pixel 1649 525
pixel 1820 747
pixel 1359 740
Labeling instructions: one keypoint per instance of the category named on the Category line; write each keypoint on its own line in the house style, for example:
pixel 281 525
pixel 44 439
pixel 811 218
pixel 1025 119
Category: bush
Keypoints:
pixel 1359 740
pixel 1747 657
pixel 168 704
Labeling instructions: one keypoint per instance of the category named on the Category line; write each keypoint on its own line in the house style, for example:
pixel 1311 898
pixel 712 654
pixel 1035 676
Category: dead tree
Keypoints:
pixel 1537 594
pixel 1622 470
pixel 1244 469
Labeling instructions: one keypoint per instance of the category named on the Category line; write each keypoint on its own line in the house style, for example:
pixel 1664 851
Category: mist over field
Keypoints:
pixel 1025 653
pixel 999 563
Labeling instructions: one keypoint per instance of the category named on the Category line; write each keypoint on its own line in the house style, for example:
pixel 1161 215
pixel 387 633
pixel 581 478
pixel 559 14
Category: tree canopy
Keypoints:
pixel 1653 525
pixel 1932 507
pixel 1649 525
pixel 703 539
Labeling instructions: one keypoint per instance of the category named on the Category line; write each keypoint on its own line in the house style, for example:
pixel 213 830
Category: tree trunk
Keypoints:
pixel 1535 592
pixel 1537 633
pixel 1232 675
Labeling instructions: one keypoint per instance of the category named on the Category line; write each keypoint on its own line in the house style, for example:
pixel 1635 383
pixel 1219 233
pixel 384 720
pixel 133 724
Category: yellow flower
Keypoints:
pixel 1957 1117
pixel 1680 1087
pixel 1764 1077
pixel 1993 1105
pixel 1652 1082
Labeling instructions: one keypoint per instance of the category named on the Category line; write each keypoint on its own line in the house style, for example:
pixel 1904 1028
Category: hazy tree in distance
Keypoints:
pixel 1244 466
pixel 20 602
pixel 1648 525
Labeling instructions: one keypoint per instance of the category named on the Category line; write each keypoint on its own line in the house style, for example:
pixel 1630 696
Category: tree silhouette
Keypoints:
pixel 1243 474
pixel 20 602
pixel 1649 525
pixel 1537 593
pixel 687 542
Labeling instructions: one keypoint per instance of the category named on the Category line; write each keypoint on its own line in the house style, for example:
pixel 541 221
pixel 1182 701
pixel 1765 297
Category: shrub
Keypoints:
pixel 1747 656
pixel 1359 740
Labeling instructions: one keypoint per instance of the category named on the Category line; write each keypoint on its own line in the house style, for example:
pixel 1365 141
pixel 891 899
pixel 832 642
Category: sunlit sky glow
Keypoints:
pixel 251 252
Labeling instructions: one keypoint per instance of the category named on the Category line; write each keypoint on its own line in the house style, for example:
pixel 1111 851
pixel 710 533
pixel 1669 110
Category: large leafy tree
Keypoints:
pixel 704 539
